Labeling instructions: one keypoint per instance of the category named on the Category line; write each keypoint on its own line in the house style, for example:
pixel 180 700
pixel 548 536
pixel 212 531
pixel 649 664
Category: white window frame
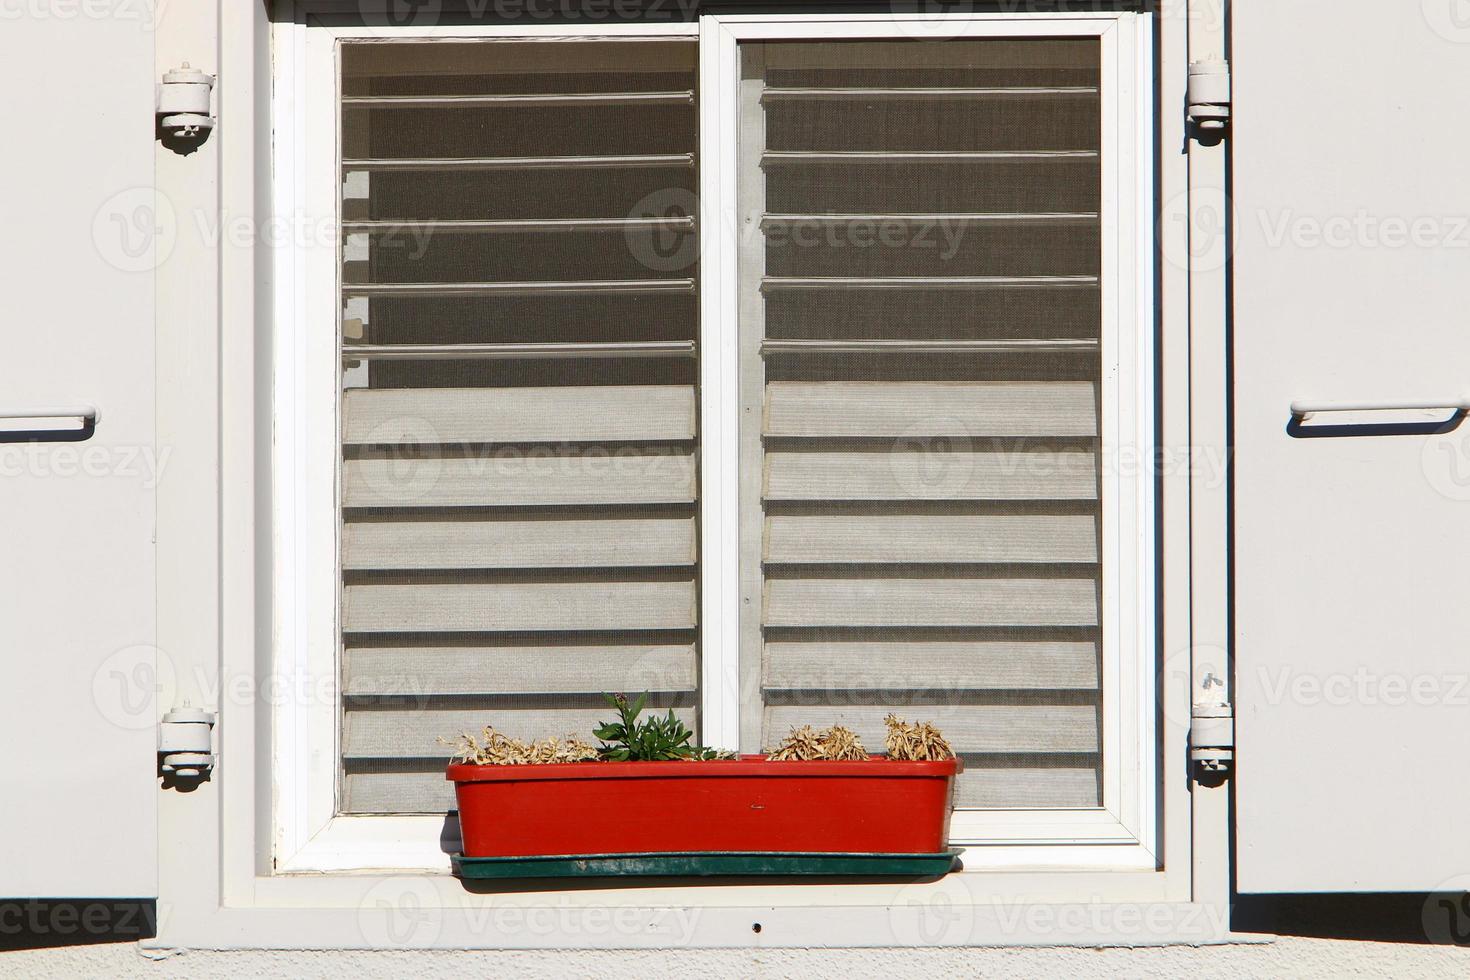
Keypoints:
pixel 308 836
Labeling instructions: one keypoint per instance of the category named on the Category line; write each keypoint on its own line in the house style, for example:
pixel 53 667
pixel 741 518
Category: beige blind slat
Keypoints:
pixel 548 607
pixel 914 410
pixel 938 475
pixel 625 543
pixel 1033 728
pixel 409 733
pixel 520 669
pixel 931 602
pixel 824 539
pixel 520 479
pixel 906 663
pixel 629 413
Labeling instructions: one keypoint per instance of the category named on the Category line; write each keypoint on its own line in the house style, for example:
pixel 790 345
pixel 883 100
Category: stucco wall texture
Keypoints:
pixel 1286 957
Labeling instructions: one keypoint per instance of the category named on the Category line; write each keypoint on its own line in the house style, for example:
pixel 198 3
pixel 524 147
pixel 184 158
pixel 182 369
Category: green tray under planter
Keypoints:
pixel 708 863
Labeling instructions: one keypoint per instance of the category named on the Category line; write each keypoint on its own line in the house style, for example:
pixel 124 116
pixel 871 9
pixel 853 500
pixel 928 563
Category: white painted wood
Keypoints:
pixel 544 607
pixel 931 602
pixel 520 669
pixel 931 475
pixel 520 478
pixel 648 413
pixel 576 543
pixel 892 539
pixel 83 677
pixel 915 409
pixel 412 732
pixel 906 664
pixel 1351 571
pixel 1034 728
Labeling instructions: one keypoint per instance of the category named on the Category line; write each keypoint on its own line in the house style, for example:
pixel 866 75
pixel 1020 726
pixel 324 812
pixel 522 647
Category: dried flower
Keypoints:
pixel 919 742
pixel 495 749
pixel 806 744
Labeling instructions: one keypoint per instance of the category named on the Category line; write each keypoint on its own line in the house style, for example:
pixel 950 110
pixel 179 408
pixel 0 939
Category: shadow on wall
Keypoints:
pixel 42 923
pixel 1425 919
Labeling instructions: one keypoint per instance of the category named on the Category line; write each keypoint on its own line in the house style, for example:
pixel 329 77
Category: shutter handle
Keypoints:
pixel 1303 410
pixel 81 421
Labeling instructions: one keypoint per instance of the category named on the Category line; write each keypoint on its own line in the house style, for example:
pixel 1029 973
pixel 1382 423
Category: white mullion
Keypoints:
pixel 719 395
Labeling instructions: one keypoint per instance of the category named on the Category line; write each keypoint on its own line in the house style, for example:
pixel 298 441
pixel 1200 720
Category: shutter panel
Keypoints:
pixel 519 407
pixel 1353 722
pixel 920 342
pixel 79 687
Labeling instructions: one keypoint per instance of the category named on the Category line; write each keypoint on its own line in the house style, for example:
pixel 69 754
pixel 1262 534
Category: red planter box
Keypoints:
pixel 745 804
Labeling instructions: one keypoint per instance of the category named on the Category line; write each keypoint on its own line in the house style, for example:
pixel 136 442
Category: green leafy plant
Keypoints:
pixel 651 739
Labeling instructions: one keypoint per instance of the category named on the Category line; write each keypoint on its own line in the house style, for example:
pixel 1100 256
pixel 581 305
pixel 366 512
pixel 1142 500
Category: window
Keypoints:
pixel 792 376
pixel 519 400
pixel 920 322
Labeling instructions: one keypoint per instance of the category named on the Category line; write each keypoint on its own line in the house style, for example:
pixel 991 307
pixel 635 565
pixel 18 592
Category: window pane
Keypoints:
pixel 920 317
pixel 518 396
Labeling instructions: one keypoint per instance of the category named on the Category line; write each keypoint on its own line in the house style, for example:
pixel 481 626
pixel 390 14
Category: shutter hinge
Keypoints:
pixel 1212 739
pixel 186 744
pixel 182 112
pixel 1208 95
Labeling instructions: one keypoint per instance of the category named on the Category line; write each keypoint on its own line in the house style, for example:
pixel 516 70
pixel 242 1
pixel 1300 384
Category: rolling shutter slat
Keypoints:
pixel 648 413
pixel 931 602
pixel 376 733
pixel 885 539
pixel 914 410
pixel 939 475
pixel 909 663
pixel 521 669
pixel 519 607
pixel 520 480
pixel 623 543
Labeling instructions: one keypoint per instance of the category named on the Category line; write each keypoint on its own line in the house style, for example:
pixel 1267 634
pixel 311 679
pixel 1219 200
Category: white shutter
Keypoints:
pixel 1351 285
pixel 920 343
pixel 78 666
pixel 519 480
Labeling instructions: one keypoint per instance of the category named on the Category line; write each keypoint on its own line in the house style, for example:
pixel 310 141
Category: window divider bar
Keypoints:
pixel 1018 345
pixel 770 283
pixel 590 161
pixel 539 101
pixel 920 156
pixel 982 92
pixel 511 225
pixel 512 352
pixel 529 288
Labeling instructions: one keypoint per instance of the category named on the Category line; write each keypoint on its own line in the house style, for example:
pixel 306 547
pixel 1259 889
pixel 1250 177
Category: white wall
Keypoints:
pixel 1292 957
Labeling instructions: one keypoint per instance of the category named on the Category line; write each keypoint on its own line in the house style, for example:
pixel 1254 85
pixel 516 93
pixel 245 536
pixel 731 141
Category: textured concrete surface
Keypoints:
pixel 1287 957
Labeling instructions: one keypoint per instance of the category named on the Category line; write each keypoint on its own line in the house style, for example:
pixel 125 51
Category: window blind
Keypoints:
pixel 920 326
pixel 518 424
